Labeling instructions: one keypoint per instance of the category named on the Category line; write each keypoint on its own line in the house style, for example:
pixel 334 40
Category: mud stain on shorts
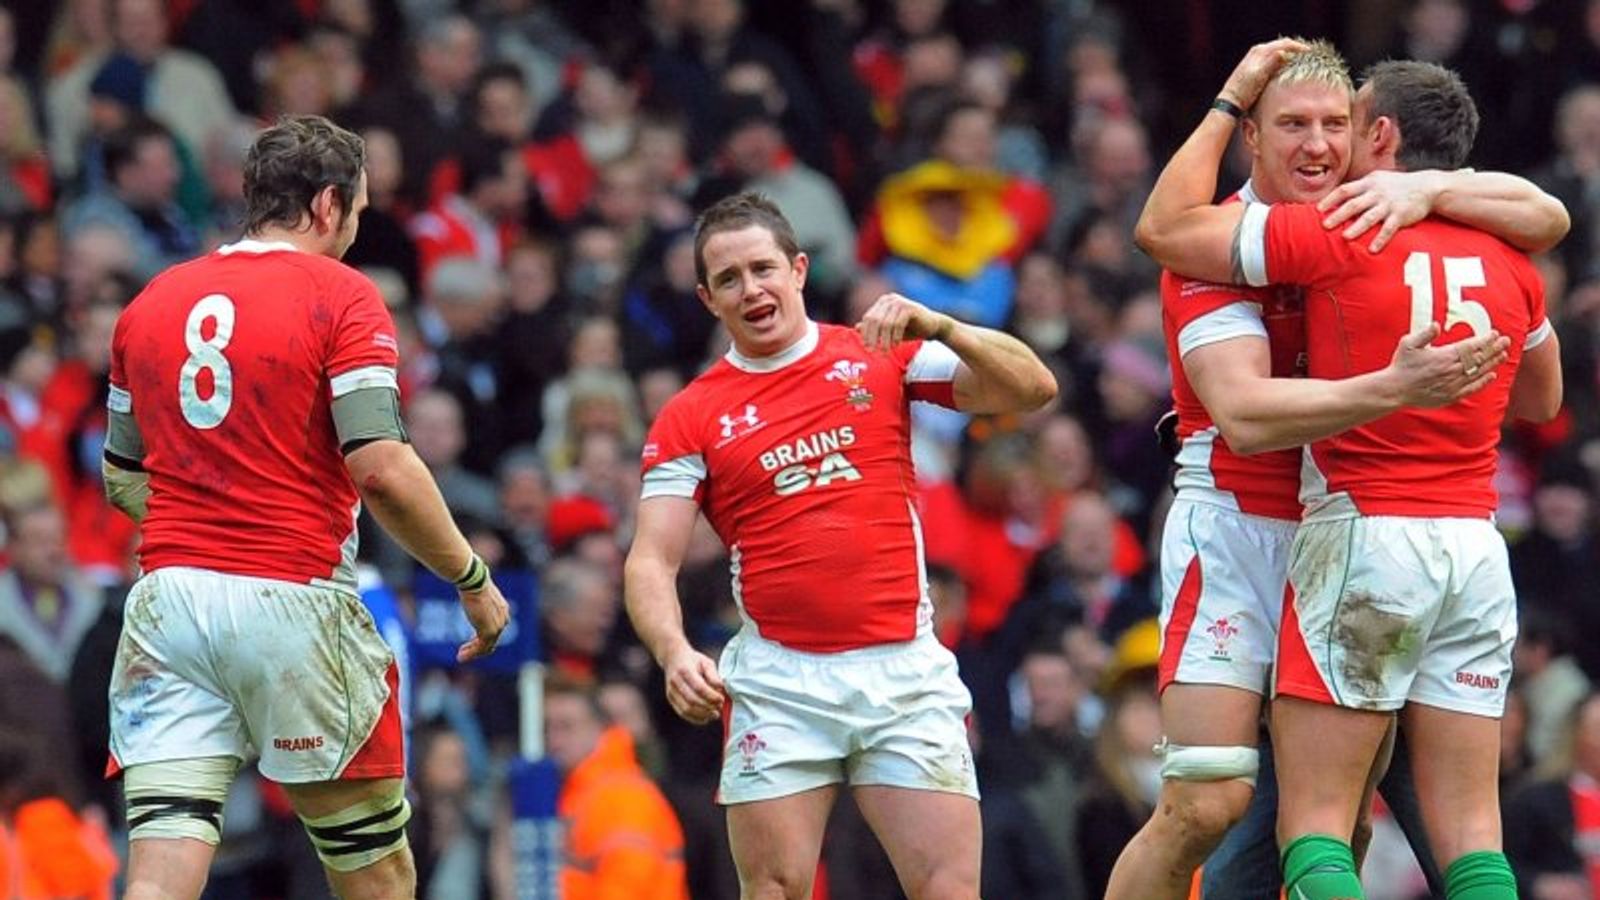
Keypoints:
pixel 1372 639
pixel 1319 555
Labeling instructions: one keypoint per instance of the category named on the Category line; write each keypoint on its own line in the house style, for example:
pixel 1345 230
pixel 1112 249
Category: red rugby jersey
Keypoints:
pixel 1195 313
pixel 1415 462
pixel 802 464
pixel 229 364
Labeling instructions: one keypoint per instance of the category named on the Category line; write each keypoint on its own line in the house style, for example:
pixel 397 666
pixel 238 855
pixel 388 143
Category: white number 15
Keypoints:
pixel 1460 272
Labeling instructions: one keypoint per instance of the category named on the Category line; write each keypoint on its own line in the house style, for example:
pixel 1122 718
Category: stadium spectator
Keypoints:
pixel 184 90
pixel 483 217
pixel 139 199
pixel 578 602
pixel 47 604
pixel 1122 790
pixel 755 156
pixel 228 487
pixel 25 179
pixel 382 240
pixel 1553 564
pixel 505 107
pixel 1548 679
pixel 623 839
pixel 1549 825
pixel 425 105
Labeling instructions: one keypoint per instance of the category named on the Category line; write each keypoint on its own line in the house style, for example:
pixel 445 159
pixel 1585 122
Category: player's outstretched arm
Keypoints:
pixel 650 591
pixel 400 492
pixel 998 373
pixel 1179 227
pixel 1257 413
pixel 1509 207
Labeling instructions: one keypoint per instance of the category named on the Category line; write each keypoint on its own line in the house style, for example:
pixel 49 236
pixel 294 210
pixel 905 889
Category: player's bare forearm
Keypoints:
pixel 1179 227
pixel 1257 413
pixel 1507 206
pixel 650 576
pixel 650 594
pixel 999 373
pixel 401 494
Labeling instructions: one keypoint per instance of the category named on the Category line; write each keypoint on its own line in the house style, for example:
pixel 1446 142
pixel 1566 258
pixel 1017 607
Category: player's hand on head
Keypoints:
pixel 1433 376
pixel 1251 75
pixel 488 614
pixel 1393 200
pixel 893 318
pixel 694 688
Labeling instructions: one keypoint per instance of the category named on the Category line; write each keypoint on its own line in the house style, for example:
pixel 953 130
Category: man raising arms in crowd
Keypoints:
pixel 253 406
pixel 796 447
pixel 1401 595
pixel 1225 548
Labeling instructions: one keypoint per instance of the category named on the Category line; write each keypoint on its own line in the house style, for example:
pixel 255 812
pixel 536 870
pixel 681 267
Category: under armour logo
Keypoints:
pixel 731 422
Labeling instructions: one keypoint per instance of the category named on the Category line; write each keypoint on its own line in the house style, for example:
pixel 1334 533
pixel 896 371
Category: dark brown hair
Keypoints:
pixel 1432 109
pixel 291 163
pixel 736 213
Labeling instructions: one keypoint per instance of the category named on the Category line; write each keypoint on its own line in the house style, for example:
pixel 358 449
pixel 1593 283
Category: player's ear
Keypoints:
pixel 705 297
pixel 1385 137
pixel 325 210
pixel 1250 131
pixel 801 265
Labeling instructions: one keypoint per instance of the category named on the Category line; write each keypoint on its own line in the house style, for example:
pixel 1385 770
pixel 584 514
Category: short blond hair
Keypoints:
pixel 1319 63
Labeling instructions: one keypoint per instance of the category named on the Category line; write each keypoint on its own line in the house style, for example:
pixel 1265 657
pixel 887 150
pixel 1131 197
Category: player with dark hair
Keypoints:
pixel 253 408
pixel 796 446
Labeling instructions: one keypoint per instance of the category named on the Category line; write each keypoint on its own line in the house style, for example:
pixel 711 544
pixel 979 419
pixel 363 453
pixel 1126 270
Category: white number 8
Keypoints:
pixel 207 354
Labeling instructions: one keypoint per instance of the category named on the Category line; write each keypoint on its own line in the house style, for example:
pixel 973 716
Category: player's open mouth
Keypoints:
pixel 1313 171
pixel 761 314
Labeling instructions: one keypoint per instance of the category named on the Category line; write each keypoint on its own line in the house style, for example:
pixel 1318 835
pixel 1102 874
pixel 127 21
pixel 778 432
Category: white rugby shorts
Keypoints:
pixel 1391 609
pixel 212 664
pixel 1222 592
pixel 888 715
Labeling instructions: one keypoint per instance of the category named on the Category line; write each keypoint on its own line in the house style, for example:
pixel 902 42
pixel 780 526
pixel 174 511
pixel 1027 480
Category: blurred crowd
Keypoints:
pixel 534 169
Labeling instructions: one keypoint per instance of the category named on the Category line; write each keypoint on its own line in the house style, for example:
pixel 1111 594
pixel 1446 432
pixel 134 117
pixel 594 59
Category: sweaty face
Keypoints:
pixel 755 290
pixel 1299 135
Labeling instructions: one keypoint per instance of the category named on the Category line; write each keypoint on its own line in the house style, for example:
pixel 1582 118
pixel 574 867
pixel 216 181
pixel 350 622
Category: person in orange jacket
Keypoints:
pixel 47 850
pixel 623 839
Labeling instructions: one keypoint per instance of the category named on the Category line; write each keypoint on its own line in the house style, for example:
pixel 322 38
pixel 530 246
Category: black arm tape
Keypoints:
pixel 123 463
pixel 476 576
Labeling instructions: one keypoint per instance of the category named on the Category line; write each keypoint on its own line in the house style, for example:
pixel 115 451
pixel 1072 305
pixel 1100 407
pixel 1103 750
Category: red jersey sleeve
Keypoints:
pixel 1286 244
pixel 929 369
pixel 363 351
pixel 673 462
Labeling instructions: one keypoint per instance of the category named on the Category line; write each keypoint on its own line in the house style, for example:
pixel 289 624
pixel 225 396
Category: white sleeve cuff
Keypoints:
pixel 1252 247
pixel 1538 335
pixel 1241 319
pixel 679 477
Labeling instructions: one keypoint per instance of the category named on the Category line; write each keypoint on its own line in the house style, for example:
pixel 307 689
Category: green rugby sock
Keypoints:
pixel 1319 867
pixel 1484 875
